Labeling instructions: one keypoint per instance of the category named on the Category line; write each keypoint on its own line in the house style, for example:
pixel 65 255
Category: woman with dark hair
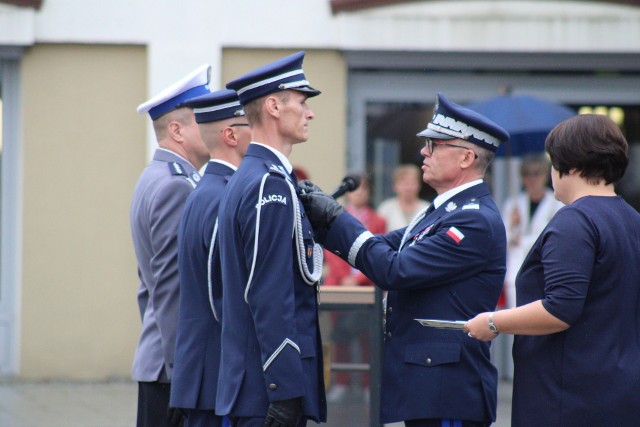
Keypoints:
pixel 577 322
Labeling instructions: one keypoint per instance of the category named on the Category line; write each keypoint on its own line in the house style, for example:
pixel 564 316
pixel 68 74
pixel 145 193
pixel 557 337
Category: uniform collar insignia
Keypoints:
pixel 176 168
pixel 451 206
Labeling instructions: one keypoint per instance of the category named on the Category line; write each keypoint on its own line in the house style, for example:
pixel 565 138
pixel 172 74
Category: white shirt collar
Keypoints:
pixel 222 162
pixel 283 159
pixel 439 201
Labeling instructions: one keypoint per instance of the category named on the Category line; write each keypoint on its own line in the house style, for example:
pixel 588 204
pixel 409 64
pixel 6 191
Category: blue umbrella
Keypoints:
pixel 527 119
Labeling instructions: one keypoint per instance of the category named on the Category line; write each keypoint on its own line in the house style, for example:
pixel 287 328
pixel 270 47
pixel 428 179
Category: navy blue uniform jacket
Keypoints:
pixel 271 347
pixel 197 355
pixel 452 267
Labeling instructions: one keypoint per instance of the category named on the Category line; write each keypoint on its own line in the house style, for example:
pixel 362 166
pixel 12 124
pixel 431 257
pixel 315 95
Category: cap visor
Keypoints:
pixel 308 90
pixel 429 133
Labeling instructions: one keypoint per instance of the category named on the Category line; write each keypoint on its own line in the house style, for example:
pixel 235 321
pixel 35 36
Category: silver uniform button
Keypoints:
pixel 273 386
pixel 428 361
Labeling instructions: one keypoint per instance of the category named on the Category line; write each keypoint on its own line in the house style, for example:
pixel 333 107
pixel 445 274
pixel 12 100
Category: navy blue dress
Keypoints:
pixel 585 267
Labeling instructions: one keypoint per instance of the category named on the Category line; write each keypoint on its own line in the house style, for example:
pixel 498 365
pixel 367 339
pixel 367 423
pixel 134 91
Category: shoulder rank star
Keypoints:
pixel 450 207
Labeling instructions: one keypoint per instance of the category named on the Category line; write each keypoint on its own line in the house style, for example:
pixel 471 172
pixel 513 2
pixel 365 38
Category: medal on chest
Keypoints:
pixel 420 235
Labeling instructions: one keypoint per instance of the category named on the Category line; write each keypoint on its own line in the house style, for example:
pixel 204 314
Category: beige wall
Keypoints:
pixel 323 156
pixel 84 146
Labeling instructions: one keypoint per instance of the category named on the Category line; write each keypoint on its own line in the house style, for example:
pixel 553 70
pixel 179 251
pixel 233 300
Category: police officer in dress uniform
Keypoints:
pixel 226 134
pixel 449 264
pixel 271 366
pixel 158 199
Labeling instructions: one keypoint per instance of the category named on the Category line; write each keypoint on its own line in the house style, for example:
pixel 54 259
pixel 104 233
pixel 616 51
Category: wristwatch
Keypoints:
pixel 492 326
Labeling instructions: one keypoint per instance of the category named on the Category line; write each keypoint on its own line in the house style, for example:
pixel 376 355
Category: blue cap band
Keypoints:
pixel 177 101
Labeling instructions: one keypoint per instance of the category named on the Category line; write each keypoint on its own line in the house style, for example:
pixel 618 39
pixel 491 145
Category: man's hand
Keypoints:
pixel 309 187
pixel 284 413
pixel 321 208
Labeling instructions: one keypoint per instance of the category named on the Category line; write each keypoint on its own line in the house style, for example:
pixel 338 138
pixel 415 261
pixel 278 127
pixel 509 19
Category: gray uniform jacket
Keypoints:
pixel 157 204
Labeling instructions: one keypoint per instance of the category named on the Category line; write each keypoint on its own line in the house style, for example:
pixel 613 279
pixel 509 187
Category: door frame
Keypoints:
pixel 10 212
pixel 464 77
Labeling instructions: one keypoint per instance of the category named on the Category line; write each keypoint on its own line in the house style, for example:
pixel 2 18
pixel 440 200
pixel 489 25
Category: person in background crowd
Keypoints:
pixel 398 211
pixel 351 326
pixel 226 135
pixel 448 264
pixel 300 173
pixel 271 371
pixel 577 319
pixel 157 203
pixel 526 215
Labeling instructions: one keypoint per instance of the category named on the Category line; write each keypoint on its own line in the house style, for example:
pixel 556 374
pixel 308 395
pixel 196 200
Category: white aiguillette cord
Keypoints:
pixel 309 277
pixel 407 232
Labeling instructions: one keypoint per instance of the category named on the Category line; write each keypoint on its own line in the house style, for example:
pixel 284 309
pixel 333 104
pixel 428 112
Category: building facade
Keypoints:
pixel 72 73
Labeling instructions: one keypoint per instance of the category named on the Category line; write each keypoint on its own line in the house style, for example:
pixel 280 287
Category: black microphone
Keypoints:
pixel 349 183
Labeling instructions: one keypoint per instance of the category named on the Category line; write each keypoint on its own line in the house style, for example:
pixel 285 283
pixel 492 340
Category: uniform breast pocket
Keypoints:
pixel 432 354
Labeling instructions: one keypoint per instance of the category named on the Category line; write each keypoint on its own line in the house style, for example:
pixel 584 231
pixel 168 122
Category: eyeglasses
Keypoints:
pixel 238 125
pixel 431 145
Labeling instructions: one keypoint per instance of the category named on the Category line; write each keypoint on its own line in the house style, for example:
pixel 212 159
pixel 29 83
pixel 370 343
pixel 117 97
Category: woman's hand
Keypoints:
pixel 478 328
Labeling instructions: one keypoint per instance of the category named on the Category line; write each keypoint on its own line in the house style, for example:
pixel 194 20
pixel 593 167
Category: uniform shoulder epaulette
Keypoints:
pixel 471 204
pixel 277 170
pixel 176 169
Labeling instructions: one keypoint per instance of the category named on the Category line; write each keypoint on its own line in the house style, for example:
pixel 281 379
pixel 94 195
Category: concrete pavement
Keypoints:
pixel 113 404
pixel 67 404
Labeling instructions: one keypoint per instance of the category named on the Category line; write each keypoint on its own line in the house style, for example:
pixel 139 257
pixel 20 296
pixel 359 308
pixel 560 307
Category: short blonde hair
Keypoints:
pixel 406 170
pixel 182 115
pixel 535 159
pixel 252 111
